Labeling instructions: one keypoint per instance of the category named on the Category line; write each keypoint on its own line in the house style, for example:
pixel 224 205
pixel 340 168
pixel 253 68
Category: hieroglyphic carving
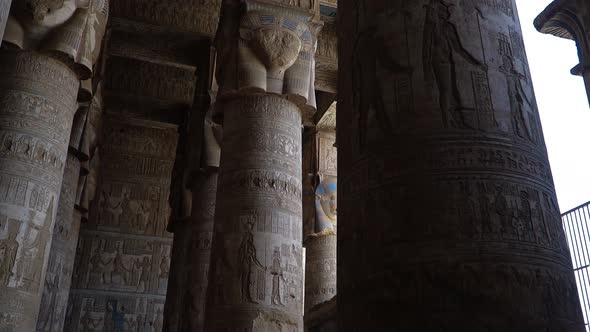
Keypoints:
pixel 461 209
pixel 114 312
pixel 158 81
pixel 196 16
pixel 72 28
pixel 260 217
pixel 37 105
pixel 61 256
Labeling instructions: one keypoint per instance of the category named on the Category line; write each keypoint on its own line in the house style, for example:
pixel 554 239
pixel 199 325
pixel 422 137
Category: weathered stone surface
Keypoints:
pixel 326 69
pixel 447 203
pixel 4 10
pixel 37 105
pixel 58 277
pixel 257 269
pixel 123 259
pixel 71 29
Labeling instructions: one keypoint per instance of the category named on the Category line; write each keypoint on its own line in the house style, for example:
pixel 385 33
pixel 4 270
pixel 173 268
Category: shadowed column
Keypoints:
pixel 448 215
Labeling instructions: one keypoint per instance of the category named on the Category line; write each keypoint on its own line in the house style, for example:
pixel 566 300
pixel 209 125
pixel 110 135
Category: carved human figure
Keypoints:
pixel 249 263
pixel 522 108
pixel 442 44
pixel 144 273
pixel 276 270
pixel 47 315
pixel 8 250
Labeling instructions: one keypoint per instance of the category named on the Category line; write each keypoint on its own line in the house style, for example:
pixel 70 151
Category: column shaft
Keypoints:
pixel 449 219
pixel 37 105
pixel 58 278
pixel 258 272
pixel 4 10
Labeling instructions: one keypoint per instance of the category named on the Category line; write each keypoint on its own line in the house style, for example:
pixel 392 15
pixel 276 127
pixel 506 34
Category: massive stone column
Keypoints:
pixel 570 19
pixel 60 266
pixel 52 49
pixel 193 234
pixel 37 104
pixel 448 215
pixel 256 271
pixel 123 256
pixel 319 228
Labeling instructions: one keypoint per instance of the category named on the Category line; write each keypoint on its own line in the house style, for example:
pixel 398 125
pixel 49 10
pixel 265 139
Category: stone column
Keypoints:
pixel 193 234
pixel 37 104
pixel 257 266
pixel 58 278
pixel 123 257
pixel 448 215
pixel 320 231
pixel 56 287
pixel 570 19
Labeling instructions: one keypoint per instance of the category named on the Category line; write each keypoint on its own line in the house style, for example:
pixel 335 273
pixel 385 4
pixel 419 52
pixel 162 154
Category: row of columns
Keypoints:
pixel 448 203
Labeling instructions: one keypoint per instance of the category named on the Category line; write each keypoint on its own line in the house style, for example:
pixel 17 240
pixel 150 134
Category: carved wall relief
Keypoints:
pixel 72 28
pixel 124 246
pixel 257 264
pixel 443 174
pixel 37 104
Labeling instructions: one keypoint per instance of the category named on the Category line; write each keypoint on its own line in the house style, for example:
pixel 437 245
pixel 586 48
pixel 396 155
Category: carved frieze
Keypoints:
pixel 327 57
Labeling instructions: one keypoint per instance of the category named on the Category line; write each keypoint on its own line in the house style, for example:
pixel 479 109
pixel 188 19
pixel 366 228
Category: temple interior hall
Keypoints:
pixel 176 165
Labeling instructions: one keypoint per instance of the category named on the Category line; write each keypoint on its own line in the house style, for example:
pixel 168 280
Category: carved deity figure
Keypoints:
pixel 277 275
pixel 144 273
pixel 522 108
pixel 47 312
pixel 119 268
pixel 8 250
pixel 249 263
pixel 442 45
pixel 326 206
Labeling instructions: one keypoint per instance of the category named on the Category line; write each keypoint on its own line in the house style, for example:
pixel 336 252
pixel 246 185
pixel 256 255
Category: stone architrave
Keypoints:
pixel 58 277
pixel 320 232
pixel 448 216
pixel 256 273
pixel 123 256
pixel 37 104
pixel 4 10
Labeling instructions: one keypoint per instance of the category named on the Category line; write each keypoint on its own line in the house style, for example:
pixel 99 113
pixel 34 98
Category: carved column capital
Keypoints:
pixel 570 19
pixel 72 30
pixel 273 53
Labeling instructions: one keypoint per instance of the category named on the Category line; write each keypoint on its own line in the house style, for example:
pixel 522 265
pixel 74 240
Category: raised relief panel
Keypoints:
pixel 327 57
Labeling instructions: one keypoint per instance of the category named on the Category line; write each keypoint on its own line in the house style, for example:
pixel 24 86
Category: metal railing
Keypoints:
pixel 576 224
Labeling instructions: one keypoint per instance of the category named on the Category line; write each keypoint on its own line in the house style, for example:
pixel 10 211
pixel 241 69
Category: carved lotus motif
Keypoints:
pixel 277 48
